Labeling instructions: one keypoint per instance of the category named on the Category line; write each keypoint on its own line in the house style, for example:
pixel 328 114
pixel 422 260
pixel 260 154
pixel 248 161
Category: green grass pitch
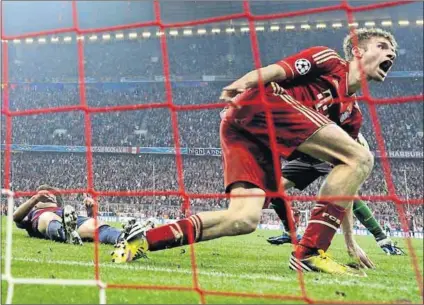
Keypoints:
pixel 239 264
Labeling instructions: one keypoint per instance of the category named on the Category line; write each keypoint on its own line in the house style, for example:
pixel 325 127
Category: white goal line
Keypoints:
pixel 67 282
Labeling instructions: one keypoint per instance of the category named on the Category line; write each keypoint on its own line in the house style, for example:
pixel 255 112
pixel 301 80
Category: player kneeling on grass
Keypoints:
pixel 300 173
pixel 44 216
pixel 311 94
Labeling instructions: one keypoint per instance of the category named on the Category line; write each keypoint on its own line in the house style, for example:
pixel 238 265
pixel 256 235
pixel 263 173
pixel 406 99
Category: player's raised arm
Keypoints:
pixel 23 210
pixel 313 61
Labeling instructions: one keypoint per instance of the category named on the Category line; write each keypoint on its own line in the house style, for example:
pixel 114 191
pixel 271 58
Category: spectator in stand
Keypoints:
pixel 45 76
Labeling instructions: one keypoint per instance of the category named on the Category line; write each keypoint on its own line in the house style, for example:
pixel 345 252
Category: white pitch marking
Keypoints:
pixel 265 277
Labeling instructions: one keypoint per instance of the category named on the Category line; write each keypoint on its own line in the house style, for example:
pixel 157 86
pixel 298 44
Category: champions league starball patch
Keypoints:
pixel 302 66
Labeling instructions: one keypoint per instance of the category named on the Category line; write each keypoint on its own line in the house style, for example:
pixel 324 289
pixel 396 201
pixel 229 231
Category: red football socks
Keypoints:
pixel 180 233
pixel 325 219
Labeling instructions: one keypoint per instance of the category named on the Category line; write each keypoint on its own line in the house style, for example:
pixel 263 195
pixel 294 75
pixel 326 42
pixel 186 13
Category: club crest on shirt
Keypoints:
pixel 302 66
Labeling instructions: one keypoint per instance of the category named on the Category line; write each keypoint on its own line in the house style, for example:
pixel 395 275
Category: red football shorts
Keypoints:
pixel 245 144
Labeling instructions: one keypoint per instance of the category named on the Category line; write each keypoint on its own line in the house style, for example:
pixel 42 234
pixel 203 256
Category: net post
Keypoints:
pixel 8 252
pixel 10 290
pixel 102 292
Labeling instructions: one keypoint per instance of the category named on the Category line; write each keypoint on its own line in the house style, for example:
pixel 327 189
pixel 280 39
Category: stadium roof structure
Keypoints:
pixel 177 11
pixel 22 17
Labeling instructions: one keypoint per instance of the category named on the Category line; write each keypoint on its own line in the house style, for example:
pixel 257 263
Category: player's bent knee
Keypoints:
pixel 243 223
pixel 243 226
pixel 364 163
pixel 245 209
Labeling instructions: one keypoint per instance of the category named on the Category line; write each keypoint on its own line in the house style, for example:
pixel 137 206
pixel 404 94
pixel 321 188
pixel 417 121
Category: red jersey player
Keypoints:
pixel 302 90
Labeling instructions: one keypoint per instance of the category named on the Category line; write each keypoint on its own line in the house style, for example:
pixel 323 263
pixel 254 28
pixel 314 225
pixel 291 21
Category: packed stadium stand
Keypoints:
pixel 128 70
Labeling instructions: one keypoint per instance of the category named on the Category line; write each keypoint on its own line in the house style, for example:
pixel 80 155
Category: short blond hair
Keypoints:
pixel 364 34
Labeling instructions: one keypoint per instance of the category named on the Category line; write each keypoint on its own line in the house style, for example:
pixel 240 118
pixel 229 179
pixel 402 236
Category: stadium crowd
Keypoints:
pixel 197 128
pixel 202 175
pixel 190 56
pixel 53 75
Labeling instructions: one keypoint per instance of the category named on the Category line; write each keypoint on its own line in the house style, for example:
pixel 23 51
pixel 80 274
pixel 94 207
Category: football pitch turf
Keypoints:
pixel 245 264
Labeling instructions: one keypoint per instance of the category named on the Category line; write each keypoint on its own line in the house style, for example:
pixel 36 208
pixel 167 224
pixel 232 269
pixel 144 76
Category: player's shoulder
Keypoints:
pixel 323 54
pixel 318 50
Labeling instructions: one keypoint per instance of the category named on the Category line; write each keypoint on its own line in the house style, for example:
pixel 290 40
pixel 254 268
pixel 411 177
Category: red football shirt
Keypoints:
pixel 315 77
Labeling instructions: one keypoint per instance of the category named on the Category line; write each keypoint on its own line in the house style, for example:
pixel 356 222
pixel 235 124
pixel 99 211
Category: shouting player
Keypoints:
pixel 44 216
pixel 302 172
pixel 310 96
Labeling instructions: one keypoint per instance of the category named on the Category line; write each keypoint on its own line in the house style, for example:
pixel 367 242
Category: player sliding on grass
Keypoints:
pixel 302 89
pixel 44 216
pixel 302 172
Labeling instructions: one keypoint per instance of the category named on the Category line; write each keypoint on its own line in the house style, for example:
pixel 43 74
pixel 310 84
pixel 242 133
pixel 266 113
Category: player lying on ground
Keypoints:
pixel 44 216
pixel 300 173
pixel 301 89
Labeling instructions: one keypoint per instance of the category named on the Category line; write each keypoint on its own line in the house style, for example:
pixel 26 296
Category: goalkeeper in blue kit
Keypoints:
pixel 300 173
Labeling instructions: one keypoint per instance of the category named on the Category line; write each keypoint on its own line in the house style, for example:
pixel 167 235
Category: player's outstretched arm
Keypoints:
pixel 250 80
pixel 23 210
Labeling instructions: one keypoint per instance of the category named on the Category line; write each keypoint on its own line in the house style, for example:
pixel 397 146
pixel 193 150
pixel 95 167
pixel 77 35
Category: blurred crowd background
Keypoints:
pixel 130 71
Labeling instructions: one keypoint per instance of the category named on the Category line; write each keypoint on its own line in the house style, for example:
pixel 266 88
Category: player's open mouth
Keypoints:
pixel 383 68
pixel 386 65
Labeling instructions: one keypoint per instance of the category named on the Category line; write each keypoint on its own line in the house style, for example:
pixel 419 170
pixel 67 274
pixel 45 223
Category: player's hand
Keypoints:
pixel 356 252
pixel 230 92
pixel 45 196
pixel 89 202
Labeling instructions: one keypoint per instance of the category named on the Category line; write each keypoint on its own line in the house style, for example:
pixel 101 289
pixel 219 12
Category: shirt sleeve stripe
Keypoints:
pixel 289 71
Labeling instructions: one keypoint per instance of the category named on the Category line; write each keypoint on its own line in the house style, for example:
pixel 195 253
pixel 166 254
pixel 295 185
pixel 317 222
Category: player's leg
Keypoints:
pixel 352 162
pixel 69 220
pixel 365 216
pixel 244 177
pixel 248 171
pixel 59 228
pixel 242 217
pixel 87 229
pixel 279 206
pixel 352 165
pixel 299 173
pixel 51 227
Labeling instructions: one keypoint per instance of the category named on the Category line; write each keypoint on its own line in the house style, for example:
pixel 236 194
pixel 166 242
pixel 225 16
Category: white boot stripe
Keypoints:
pixel 304 267
pixel 295 260
pixel 134 233
pixel 295 266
